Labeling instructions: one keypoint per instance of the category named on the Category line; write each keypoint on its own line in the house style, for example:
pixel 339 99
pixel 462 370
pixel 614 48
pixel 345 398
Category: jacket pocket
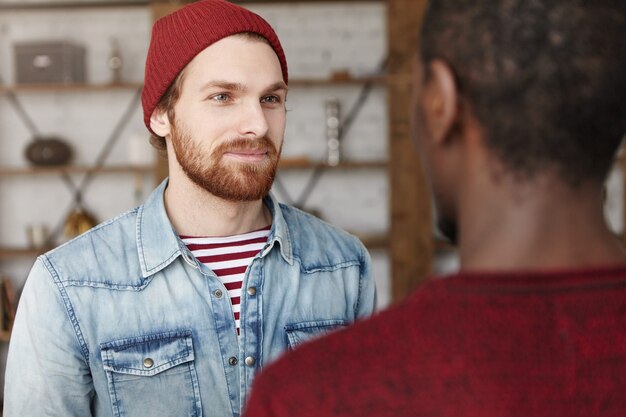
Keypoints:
pixel 298 333
pixel 152 375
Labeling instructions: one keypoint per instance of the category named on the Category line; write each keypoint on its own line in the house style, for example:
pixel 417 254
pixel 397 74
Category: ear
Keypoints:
pixel 440 100
pixel 160 122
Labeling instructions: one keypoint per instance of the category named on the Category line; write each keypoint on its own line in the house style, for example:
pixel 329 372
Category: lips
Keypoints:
pixel 246 150
pixel 248 155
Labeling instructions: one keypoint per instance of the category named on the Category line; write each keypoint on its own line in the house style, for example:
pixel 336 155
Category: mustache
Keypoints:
pixel 243 144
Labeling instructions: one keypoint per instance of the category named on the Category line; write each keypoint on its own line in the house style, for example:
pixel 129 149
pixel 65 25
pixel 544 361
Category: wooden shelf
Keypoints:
pixel 370 241
pixel 14 5
pixel 284 164
pixel 67 88
pixel 317 82
pixel 5 335
pixel 76 169
pixel 76 88
pixel 21 252
pixel 300 163
pixel 375 241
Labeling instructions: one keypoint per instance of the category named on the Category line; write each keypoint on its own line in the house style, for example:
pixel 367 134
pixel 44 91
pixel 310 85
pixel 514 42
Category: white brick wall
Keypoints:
pixel 319 39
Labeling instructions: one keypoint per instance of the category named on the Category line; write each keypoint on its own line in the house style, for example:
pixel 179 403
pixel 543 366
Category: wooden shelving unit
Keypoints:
pixel 7 253
pixel 77 88
pixel 284 164
pixel 14 5
pixel 375 241
pixel 302 163
pixel 75 169
pixel 68 88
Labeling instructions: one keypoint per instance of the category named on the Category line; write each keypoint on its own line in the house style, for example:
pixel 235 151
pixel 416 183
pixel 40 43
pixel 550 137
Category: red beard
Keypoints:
pixel 229 180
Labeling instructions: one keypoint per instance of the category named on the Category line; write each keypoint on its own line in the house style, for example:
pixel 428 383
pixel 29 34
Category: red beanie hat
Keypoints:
pixel 180 36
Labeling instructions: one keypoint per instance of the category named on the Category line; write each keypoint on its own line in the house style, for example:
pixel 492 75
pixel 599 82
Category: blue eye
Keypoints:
pixel 220 97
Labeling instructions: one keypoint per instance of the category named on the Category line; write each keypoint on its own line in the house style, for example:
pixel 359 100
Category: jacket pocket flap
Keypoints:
pixel 147 355
pixel 298 333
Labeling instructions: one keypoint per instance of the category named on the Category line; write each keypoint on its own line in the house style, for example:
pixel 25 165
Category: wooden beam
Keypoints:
pixel 411 238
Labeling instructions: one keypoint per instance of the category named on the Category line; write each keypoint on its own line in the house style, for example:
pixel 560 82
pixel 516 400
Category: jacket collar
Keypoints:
pixel 158 243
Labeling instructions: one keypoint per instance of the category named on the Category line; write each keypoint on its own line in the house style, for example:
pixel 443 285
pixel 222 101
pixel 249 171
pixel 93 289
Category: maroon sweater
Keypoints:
pixel 537 344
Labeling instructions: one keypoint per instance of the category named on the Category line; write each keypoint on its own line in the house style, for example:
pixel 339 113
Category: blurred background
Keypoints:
pixel 74 150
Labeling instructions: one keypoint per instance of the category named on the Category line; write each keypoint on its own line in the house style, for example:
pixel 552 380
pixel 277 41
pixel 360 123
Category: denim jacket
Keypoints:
pixel 124 321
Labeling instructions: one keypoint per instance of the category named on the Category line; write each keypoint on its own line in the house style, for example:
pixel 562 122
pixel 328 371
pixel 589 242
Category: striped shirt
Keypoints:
pixel 229 257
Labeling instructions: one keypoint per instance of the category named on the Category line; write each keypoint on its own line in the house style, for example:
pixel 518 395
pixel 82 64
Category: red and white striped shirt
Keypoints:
pixel 229 257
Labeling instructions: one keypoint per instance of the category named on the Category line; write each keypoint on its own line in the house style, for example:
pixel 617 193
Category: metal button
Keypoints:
pixel 233 361
pixel 250 361
pixel 218 293
pixel 251 291
pixel 148 363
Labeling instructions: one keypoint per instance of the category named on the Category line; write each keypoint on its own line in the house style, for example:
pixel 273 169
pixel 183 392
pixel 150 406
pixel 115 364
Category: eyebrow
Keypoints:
pixel 227 85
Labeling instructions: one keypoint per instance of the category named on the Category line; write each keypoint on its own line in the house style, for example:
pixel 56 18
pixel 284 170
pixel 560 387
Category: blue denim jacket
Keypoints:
pixel 124 321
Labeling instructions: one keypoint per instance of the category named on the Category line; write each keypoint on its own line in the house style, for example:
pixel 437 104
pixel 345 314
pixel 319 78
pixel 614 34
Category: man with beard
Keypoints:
pixel 520 107
pixel 171 308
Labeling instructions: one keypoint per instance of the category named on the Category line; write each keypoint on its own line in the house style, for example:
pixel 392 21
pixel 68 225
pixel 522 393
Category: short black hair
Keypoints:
pixel 546 79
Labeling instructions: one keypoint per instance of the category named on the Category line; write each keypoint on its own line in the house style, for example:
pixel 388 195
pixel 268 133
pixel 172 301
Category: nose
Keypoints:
pixel 253 121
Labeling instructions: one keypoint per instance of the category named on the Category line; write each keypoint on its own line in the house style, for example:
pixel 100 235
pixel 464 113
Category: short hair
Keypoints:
pixel 546 79
pixel 172 94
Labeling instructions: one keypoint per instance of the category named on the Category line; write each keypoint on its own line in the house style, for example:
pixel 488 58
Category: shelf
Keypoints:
pixel 284 164
pixel 317 82
pixel 71 4
pixel 371 241
pixel 5 335
pixel 80 87
pixel 76 169
pixel 375 241
pixel 22 252
pixel 300 163
pixel 68 88
pixel 14 5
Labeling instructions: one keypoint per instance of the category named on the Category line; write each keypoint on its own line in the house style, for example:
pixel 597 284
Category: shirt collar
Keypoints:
pixel 280 230
pixel 158 243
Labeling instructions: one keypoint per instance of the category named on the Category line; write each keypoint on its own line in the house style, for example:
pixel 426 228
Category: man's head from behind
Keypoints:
pixel 543 80
pixel 214 93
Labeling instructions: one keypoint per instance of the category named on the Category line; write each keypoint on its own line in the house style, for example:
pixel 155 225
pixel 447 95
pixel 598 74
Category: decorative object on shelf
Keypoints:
pixel 49 62
pixel 37 234
pixel 42 150
pixel 332 132
pixel 78 221
pixel 48 151
pixel 341 75
pixel 115 62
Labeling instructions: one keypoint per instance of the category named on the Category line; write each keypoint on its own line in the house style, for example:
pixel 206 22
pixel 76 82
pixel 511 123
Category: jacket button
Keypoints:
pixel 148 363
pixel 218 293
pixel 232 361
pixel 251 291
pixel 250 361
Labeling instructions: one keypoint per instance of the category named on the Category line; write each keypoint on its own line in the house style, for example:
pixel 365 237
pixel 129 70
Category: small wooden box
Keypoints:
pixel 49 62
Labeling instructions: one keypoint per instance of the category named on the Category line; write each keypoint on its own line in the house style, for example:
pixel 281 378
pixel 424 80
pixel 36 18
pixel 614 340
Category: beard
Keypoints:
pixel 235 181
